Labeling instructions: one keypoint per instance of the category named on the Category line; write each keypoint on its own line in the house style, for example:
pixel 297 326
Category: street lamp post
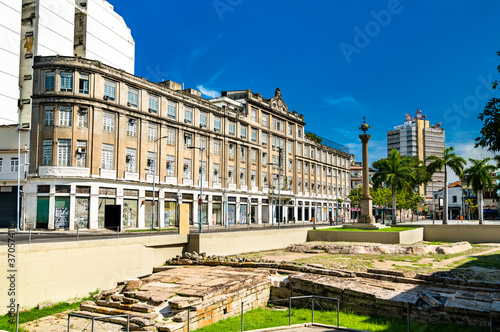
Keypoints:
pixel 279 192
pixel 200 200
pixel 154 181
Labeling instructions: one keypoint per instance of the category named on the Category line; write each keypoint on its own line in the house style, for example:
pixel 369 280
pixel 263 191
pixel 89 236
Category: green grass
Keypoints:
pixel 34 314
pixel 149 229
pixel 389 229
pixel 265 318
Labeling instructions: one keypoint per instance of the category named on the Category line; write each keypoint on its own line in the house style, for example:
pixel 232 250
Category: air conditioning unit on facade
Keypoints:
pixel 81 150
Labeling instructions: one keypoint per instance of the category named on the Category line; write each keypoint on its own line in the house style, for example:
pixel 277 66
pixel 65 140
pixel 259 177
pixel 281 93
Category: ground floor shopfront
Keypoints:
pixel 71 204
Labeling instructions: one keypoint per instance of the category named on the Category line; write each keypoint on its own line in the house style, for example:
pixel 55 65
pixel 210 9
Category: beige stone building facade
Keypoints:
pixel 101 137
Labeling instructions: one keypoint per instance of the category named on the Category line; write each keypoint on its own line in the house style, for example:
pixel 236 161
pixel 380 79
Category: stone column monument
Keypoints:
pixel 366 216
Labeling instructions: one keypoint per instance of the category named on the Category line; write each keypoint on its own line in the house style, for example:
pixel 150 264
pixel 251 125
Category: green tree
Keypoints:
pixel 455 163
pixel 490 135
pixel 355 195
pixel 478 176
pixel 394 173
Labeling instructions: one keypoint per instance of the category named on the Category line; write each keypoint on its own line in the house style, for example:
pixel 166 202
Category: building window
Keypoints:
pixel 153 104
pixel 203 119
pixel 132 97
pixel 299 132
pixel 264 119
pixel 264 158
pixel 264 179
pixel 108 122
pixel 132 127
pixel 187 169
pixel 14 165
pixel 188 140
pixel 188 115
pixel 1 164
pixel 217 124
pixel 232 128
pixel 290 147
pixel 254 114
pixel 109 90
pixel 83 116
pixel 81 153
pixel 230 175
pixel 290 129
pixel 312 153
pixel 83 84
pixel 48 116
pixel 171 110
pixel 299 166
pixel 306 168
pixel 130 160
pixel 217 145
pixel 217 173
pixel 50 81
pixel 107 156
pixel 170 166
pixel 65 115
pixel 299 149
pixel 306 150
pixel 253 156
pixel 243 132
pixel 63 152
pixel 203 166
pixel 254 135
pixel 47 153
pixel 171 136
pixel 203 142
pixel 152 132
pixel 66 82
pixel 290 164
pixel 243 153
pixel 253 178
pixel 231 151
pixel 243 177
pixel 264 138
pixel 454 199
pixel 151 161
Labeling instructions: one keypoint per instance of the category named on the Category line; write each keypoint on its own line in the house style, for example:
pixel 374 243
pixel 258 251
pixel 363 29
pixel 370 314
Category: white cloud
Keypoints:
pixel 347 103
pixel 207 91
pixel 377 149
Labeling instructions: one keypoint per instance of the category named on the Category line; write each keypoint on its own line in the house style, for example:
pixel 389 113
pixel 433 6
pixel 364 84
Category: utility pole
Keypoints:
pixel 279 185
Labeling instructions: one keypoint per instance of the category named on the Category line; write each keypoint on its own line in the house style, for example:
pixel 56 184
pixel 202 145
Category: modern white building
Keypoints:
pixel 28 28
pixel 10 39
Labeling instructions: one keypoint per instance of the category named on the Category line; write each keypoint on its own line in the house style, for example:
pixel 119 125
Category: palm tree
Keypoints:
pixel 451 160
pixel 394 172
pixel 479 177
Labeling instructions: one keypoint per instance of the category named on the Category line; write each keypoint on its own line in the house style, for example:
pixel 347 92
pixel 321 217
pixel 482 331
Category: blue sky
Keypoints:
pixel 334 61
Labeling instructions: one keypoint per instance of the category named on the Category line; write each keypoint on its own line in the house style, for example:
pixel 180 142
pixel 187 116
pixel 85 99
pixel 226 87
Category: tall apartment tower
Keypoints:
pixel 417 138
pixel 83 28
pixel 88 29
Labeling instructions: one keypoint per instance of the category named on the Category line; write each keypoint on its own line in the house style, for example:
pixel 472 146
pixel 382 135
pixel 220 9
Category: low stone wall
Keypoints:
pixel 463 232
pixel 403 237
pixel 54 272
pixel 160 302
pixel 234 243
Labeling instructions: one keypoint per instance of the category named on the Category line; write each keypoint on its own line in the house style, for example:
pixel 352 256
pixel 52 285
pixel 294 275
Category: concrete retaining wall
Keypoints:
pixel 60 271
pixel 234 243
pixel 464 232
pixel 404 237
